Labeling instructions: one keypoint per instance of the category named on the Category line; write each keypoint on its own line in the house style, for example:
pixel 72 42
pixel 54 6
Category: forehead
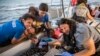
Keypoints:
pixel 64 25
pixel 42 11
pixel 29 19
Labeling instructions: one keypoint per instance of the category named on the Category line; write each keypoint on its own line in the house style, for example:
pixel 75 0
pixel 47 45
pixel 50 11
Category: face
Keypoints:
pixel 42 13
pixel 64 28
pixel 28 23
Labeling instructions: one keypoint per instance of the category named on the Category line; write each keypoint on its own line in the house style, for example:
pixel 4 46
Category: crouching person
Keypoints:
pixel 11 32
pixel 79 39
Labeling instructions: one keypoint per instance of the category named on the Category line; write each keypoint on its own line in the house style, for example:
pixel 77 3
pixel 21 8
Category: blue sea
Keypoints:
pixel 12 9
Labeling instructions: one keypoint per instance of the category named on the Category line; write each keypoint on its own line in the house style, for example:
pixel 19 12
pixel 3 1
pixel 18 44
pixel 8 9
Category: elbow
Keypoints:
pixel 13 42
pixel 93 51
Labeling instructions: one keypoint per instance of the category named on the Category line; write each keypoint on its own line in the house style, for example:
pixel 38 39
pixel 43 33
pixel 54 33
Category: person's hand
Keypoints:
pixel 31 30
pixel 34 40
pixel 56 43
pixel 66 54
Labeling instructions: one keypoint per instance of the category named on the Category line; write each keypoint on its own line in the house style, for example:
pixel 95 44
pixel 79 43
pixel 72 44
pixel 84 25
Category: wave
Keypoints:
pixel 26 6
pixel 17 7
pixel 14 8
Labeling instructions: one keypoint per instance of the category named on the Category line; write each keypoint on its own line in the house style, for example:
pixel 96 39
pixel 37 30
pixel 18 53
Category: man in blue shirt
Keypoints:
pixel 11 32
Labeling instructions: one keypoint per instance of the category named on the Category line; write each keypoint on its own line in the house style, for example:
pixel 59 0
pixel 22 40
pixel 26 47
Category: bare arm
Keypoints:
pixel 89 16
pixel 15 41
pixel 26 33
pixel 89 49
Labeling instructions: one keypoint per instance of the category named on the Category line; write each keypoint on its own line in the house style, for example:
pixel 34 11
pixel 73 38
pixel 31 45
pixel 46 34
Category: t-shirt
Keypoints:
pixel 11 29
pixel 43 19
pixel 85 32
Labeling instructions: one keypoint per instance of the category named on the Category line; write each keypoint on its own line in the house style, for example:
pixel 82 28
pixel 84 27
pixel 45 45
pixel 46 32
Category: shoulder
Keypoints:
pixel 46 15
pixel 46 18
pixel 19 25
pixel 81 27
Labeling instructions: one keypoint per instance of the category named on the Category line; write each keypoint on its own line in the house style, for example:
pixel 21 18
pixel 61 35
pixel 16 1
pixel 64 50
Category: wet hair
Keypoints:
pixel 71 23
pixel 69 39
pixel 28 16
pixel 81 1
pixel 32 10
pixel 43 7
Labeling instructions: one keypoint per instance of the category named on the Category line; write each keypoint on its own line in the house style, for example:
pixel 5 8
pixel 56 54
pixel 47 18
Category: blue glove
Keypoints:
pixel 66 54
pixel 47 40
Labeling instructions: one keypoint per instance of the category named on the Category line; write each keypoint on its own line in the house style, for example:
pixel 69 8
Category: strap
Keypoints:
pixel 14 23
pixel 90 32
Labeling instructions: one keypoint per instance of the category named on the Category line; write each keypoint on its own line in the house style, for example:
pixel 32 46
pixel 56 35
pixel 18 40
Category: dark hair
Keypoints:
pixel 71 23
pixel 81 1
pixel 43 7
pixel 69 39
pixel 28 16
pixel 79 19
pixel 33 11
